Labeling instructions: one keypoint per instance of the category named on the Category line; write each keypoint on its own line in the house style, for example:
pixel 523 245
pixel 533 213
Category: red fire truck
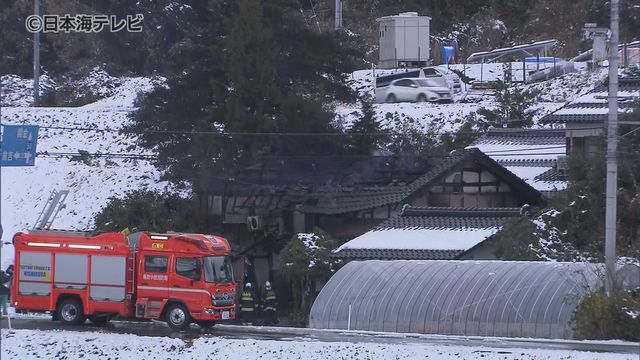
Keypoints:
pixel 178 278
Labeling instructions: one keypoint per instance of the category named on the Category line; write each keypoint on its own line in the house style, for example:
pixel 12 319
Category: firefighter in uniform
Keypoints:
pixel 5 280
pixel 269 304
pixel 247 305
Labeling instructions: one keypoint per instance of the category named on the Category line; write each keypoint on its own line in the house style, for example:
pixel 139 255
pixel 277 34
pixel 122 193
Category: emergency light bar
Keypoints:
pixel 197 242
pixel 43 244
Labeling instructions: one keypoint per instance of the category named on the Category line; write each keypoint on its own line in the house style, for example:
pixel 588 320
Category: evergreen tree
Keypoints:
pixel 256 69
pixel 146 210
pixel 180 121
pixel 514 240
pixel 17 49
pixel 514 105
pixel 252 80
pixel 367 130
pixel 470 130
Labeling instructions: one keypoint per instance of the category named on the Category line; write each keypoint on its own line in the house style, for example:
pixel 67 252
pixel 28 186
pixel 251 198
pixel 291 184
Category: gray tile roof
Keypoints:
pixel 578 111
pixel 624 84
pixel 551 175
pixel 586 118
pixel 522 137
pixel 527 153
pixel 572 118
pixel 448 218
pixel 528 162
pixel 398 254
pixel 436 218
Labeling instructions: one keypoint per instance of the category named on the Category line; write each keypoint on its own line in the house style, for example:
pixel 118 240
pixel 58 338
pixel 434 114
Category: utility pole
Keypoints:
pixel 338 23
pixel 36 58
pixel 612 160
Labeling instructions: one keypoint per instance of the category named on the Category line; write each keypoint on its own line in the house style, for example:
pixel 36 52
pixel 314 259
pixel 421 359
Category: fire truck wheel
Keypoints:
pixel 178 317
pixel 70 312
pixel 99 320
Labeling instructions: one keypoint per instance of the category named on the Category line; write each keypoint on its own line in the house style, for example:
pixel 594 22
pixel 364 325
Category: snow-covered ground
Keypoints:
pixel 439 118
pixel 25 190
pixel 37 344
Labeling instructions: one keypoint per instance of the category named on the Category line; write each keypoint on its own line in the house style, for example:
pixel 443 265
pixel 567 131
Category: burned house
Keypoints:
pixel 348 198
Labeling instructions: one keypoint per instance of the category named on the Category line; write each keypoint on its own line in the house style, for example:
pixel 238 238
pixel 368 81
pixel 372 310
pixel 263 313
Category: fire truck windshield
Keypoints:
pixel 217 269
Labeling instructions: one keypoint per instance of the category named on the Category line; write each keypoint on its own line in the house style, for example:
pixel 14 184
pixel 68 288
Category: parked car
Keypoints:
pixel 452 79
pixel 418 89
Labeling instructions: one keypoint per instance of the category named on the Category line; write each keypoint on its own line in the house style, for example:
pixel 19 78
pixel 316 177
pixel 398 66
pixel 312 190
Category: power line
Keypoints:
pixel 82 154
pixel 495 153
pixel 275 134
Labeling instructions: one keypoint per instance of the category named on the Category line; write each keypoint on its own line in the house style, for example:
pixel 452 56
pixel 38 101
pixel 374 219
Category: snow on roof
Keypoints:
pixel 427 233
pixel 592 107
pixel 530 174
pixel 602 97
pixel 420 239
pixel 500 152
pixel 582 111
pixel 526 153
pixel 402 15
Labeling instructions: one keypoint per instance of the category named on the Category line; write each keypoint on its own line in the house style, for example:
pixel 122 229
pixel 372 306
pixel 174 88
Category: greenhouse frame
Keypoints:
pixel 470 298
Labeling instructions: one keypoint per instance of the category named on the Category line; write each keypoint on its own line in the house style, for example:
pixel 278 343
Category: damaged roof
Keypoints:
pixel 336 202
pixel 350 196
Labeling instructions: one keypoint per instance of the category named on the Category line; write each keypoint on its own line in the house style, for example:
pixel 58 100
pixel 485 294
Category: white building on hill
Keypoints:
pixel 404 40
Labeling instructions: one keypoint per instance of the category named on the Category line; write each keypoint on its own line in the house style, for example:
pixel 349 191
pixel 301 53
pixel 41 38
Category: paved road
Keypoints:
pixel 158 329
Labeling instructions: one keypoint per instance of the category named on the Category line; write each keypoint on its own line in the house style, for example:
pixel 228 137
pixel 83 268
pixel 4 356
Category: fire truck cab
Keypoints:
pixel 176 277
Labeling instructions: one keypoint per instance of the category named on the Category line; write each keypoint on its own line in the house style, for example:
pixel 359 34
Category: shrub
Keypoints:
pixel 303 262
pixel 609 317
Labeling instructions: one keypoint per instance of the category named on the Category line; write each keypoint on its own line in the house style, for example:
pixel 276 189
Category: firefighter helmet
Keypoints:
pixel 267 285
pixel 248 286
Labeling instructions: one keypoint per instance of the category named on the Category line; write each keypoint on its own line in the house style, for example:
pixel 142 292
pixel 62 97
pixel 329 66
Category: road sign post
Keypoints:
pixel 18 147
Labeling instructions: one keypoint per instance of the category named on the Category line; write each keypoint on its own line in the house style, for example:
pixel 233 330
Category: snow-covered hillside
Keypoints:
pixel 438 118
pixel 25 190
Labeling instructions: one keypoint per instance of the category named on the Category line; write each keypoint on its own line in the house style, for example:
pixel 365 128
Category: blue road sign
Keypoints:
pixel 18 146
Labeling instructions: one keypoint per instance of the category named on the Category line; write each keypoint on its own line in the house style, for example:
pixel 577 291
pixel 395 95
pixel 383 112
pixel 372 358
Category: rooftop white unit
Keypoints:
pixel 404 40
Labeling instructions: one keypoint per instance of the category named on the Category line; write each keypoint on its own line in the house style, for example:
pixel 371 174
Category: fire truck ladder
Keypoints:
pixel 54 204
pixel 131 273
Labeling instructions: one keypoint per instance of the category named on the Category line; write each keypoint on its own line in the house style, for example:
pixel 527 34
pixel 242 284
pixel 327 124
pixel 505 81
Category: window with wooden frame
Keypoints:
pixel 470 187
